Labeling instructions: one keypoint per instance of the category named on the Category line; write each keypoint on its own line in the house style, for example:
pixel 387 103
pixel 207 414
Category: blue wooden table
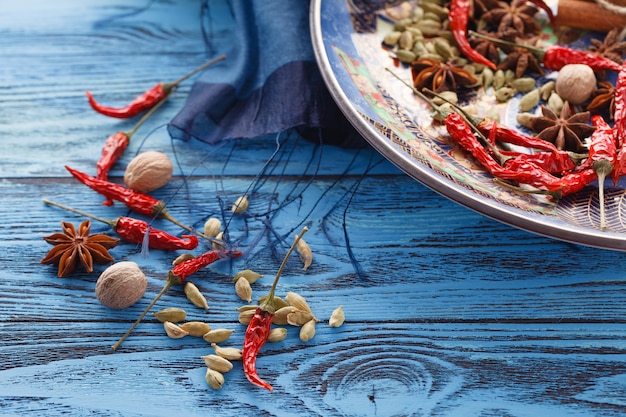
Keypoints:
pixel 448 313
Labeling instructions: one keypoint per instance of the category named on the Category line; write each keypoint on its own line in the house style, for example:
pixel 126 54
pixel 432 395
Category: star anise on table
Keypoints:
pixel 516 14
pixel 566 131
pixel 603 99
pixel 72 247
pixel 612 47
pixel 439 76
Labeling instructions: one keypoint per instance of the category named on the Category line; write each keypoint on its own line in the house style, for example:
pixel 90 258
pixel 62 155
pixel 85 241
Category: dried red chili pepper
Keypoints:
pixel 557 162
pixel 134 200
pixel 602 155
pixel 557 56
pixel 459 17
pixel 149 98
pixel 619 116
pixel 134 231
pixel 259 327
pixel 514 137
pixel 184 269
pixel 116 144
pixel 487 127
pixel 520 170
pixel 575 181
pixel 512 169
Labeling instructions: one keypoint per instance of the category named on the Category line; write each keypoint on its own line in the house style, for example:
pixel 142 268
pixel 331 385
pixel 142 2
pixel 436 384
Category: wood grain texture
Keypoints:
pixel 448 313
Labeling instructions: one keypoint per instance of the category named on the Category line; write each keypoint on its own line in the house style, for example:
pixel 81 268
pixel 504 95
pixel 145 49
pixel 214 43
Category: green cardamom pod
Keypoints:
pixel 172 314
pixel 217 335
pixel 217 363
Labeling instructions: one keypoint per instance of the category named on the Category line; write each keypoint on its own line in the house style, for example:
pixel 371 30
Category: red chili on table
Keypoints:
pixel 187 268
pixel 184 269
pixel 459 17
pixel 134 200
pixel 259 327
pixel 116 144
pixel 149 98
pixel 134 231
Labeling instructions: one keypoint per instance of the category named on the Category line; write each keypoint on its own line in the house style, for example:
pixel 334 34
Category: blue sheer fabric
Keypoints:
pixel 269 82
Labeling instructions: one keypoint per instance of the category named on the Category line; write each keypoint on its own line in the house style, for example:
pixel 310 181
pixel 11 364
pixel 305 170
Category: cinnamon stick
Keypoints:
pixel 588 15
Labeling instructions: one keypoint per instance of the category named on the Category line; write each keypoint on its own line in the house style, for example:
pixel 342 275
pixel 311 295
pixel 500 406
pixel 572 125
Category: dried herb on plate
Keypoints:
pixel 603 99
pixel 439 76
pixel 516 14
pixel 566 130
pixel 612 46
pixel 74 247
pixel 521 61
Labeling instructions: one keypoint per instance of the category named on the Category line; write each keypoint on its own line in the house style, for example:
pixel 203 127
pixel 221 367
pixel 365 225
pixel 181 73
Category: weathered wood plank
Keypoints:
pixel 448 313
pixel 444 369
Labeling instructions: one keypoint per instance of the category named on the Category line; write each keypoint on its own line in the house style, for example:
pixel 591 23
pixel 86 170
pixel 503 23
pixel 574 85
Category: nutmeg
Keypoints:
pixel 121 285
pixel 148 171
pixel 575 83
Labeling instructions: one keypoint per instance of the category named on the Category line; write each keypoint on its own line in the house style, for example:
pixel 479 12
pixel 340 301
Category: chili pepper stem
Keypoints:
pixel 169 86
pixel 82 213
pixel 540 53
pixel 522 190
pixel 421 95
pixel 602 168
pixel 442 114
pixel 149 113
pixel 270 295
pixel 167 216
pixel 171 281
pixel 501 158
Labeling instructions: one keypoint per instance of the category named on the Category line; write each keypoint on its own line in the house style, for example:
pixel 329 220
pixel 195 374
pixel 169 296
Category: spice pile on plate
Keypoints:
pixel 571 101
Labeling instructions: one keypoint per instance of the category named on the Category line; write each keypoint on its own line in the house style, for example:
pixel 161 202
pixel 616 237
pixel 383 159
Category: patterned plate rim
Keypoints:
pixel 535 223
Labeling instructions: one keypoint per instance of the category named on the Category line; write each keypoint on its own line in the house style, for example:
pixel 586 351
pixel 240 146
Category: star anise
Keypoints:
pixel 566 131
pixel 603 98
pixel 612 47
pixel 71 248
pixel 517 14
pixel 439 76
pixel 486 47
pixel 521 60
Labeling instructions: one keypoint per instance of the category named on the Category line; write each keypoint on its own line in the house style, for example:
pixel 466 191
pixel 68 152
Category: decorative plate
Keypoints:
pixel 347 37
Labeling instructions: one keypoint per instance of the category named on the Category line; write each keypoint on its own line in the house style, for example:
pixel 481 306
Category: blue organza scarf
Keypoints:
pixel 269 82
